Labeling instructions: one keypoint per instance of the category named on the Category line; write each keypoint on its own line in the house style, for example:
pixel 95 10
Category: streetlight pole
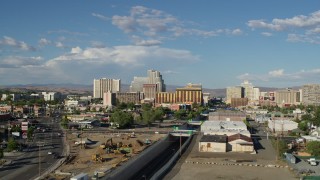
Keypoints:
pixel 180 146
pixel 39 161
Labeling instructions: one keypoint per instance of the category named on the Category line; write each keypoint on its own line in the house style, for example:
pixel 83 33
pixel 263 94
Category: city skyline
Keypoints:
pixel 217 44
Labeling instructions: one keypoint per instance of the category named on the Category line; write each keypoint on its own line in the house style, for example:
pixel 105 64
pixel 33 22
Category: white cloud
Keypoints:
pixel 156 24
pixel 63 31
pixel 237 32
pixel 97 44
pixel 127 55
pixel 60 45
pixel 306 28
pixel 82 65
pixel 262 24
pixel 11 42
pixel 276 73
pixel 267 34
pixel 279 75
pixel 18 61
pixel 76 50
pixel 300 21
pixel 303 38
pixel 102 17
pixel 141 42
pixel 126 23
pixel 169 72
pixel 43 42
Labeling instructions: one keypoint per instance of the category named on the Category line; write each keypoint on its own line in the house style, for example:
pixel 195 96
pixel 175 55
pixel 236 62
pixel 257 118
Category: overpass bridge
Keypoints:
pixel 183 133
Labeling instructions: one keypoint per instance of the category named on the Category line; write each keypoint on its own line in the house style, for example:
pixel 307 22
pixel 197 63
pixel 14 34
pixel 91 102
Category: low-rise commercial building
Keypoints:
pixel 213 143
pixel 227 115
pixel 282 126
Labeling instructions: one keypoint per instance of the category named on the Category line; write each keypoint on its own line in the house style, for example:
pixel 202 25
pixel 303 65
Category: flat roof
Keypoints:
pixel 214 138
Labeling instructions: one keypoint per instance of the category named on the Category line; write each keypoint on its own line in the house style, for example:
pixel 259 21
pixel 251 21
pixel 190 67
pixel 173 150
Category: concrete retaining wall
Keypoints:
pixel 135 164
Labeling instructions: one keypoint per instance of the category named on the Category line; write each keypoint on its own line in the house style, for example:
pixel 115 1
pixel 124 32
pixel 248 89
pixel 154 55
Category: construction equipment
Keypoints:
pixel 132 135
pixel 125 150
pixel 139 142
pixel 107 144
pixel 119 144
pixel 147 142
pixel 116 151
pixel 97 158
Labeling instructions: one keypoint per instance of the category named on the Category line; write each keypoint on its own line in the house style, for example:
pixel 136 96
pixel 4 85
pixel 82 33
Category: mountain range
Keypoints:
pixel 87 89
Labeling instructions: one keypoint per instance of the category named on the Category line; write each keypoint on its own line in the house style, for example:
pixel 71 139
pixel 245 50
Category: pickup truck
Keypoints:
pixel 312 161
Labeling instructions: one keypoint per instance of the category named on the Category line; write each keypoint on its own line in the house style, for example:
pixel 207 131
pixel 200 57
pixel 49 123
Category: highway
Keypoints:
pixel 35 159
pixel 149 169
pixel 157 163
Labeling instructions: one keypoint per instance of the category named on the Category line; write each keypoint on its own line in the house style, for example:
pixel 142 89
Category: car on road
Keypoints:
pixel 49 152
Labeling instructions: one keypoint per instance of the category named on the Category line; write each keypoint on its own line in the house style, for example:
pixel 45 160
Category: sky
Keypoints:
pixel 214 43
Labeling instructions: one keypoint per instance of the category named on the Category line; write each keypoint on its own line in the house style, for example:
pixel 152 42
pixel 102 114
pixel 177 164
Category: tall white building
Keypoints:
pixel 248 90
pixel 51 96
pixel 234 92
pixel 137 84
pixel 103 85
pixel 256 93
pixel 153 77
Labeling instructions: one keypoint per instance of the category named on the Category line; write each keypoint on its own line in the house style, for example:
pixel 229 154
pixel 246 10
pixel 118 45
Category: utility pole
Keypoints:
pixel 39 161
pixel 277 153
pixel 180 145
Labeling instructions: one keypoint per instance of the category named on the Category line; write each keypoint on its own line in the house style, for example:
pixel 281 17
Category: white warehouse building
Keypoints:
pixel 228 128
pixel 282 125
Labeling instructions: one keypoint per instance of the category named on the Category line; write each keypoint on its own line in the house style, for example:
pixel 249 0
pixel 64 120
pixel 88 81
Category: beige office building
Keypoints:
pixel 234 92
pixel 287 97
pixel 100 86
pixel 311 94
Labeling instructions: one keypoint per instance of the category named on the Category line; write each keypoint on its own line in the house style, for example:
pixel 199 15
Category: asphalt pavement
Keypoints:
pixel 35 160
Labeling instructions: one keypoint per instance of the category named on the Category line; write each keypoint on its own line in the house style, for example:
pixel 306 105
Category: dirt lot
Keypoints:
pixel 197 165
pixel 81 157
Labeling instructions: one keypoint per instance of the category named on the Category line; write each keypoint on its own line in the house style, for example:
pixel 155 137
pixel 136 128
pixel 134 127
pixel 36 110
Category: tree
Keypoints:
pixel 306 117
pixel 282 147
pixel 16 129
pixel 316 117
pixel 30 132
pixel 148 117
pixel 313 148
pixel 9 98
pixel 180 114
pixel 131 105
pixel 64 122
pixel 122 105
pixel 303 125
pixel 123 119
pixel 146 106
pixel 159 113
pixel 12 144
pixel 1 153
pixel 191 115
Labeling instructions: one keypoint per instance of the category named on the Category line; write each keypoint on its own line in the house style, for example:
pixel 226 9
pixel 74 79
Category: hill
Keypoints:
pixel 87 89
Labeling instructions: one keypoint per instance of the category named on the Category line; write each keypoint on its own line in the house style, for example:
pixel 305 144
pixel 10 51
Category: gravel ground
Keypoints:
pixel 196 165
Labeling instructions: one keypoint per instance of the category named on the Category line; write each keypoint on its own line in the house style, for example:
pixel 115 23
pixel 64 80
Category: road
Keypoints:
pixel 35 160
pixel 150 169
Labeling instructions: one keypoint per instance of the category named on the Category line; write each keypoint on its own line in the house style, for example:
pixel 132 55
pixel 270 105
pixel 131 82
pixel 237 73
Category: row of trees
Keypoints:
pixel 311 118
pixel 148 115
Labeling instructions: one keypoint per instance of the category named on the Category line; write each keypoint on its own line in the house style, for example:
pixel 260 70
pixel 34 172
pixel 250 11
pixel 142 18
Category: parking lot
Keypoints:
pixel 303 167
pixel 231 165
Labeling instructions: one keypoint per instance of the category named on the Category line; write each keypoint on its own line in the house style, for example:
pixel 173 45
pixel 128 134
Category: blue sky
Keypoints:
pixel 216 43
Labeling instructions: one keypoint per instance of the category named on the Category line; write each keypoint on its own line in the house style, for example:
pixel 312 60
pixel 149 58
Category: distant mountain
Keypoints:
pixel 62 88
pixel 87 89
